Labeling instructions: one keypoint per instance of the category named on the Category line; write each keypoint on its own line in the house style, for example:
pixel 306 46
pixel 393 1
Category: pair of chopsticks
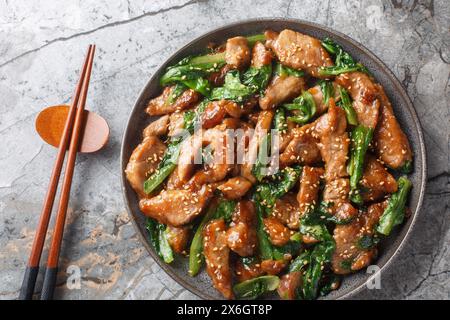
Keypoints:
pixel 70 138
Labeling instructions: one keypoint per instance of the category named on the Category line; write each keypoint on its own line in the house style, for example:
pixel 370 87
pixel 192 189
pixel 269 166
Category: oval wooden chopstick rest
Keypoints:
pixel 50 125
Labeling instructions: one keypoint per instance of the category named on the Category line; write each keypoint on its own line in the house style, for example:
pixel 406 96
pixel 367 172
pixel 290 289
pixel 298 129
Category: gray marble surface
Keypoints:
pixel 41 48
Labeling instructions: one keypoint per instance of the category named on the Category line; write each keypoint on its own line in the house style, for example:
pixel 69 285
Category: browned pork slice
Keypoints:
pixel 289 283
pixel 247 271
pixel 302 149
pixel 287 211
pixel 160 105
pixel 308 194
pixel 391 144
pixel 158 127
pixel 364 94
pixel 334 142
pixel 176 207
pixel 241 236
pixel 336 193
pixel 174 181
pixel 281 89
pixel 178 238
pixel 279 235
pixel 235 188
pixel 176 124
pixel 273 267
pixel 217 256
pixel 353 250
pixel 261 129
pixel 376 180
pixel 299 51
pixel 237 53
pixel 260 55
pixel 216 111
pixel 143 162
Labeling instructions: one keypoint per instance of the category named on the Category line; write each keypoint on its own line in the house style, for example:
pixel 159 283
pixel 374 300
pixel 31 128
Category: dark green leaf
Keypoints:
pixel 285 71
pixel 254 288
pixel 395 212
pixel 305 107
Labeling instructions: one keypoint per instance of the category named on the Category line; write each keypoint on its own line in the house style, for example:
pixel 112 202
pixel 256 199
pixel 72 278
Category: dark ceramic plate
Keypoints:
pixel 404 110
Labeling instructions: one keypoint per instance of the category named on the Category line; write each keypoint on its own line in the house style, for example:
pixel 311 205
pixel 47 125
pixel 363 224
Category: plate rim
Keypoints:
pixel 343 37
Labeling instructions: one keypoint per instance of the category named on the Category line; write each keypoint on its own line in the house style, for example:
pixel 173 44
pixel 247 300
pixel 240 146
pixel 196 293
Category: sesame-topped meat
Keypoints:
pixel 237 52
pixel 354 249
pixel 286 210
pixel 176 207
pixel 235 188
pixel 160 105
pixel 364 94
pixel 334 143
pixel 391 144
pixel 300 51
pixel 217 256
pixel 247 271
pixel 157 128
pixel 308 195
pixel 260 55
pixel 376 180
pixel 279 235
pixel 289 284
pixel 281 89
pixel 302 148
pixel 241 236
pixel 144 161
pixel 178 238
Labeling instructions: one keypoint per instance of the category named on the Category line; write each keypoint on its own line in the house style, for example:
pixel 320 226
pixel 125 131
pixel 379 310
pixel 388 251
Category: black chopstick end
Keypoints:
pixel 48 286
pixel 29 281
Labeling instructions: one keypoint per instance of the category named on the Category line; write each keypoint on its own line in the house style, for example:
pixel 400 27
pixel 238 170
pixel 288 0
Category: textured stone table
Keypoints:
pixel 41 47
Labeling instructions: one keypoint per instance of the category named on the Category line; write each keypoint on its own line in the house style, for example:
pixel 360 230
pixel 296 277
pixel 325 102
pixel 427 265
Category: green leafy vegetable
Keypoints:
pixel 254 288
pixel 300 263
pixel 406 167
pixel 280 183
pixel 264 244
pixel 165 167
pixel 327 90
pixel 158 239
pixel 305 107
pixel 366 241
pixel 291 248
pixel 192 68
pixel 200 85
pixel 329 283
pixel 343 61
pixel 164 246
pixel 225 210
pixel 346 104
pixel 395 211
pixel 259 169
pixel 257 78
pixel 319 257
pixel 232 89
pixel 285 71
pixel 255 38
pixel 279 121
pixel 361 137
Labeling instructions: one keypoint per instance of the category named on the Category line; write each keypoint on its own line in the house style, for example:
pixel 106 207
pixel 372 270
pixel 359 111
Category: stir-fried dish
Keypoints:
pixel 272 165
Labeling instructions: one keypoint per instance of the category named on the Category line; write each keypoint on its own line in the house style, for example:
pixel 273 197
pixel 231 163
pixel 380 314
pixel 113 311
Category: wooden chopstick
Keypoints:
pixel 55 246
pixel 32 270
